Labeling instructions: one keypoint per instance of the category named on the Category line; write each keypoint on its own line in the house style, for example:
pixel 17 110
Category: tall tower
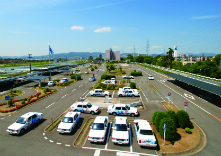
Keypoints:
pixel 175 52
pixel 134 51
pixel 147 48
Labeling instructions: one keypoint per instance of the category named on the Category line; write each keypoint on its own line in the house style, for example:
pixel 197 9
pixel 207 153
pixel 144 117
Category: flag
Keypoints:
pixel 51 50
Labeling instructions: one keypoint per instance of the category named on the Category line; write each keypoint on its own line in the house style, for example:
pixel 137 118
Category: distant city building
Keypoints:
pixel 110 55
pixel 100 56
pixel 90 57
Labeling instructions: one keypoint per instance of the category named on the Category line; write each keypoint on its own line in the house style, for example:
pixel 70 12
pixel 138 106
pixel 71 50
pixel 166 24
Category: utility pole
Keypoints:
pixel 30 61
pixel 134 51
pixel 147 48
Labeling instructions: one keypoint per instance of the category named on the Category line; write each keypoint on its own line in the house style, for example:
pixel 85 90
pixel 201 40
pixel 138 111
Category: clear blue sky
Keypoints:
pixel 30 26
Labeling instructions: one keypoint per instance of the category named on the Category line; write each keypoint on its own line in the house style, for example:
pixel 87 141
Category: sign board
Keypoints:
pixel 169 94
pixel 185 103
pixel 164 127
pixel 7 97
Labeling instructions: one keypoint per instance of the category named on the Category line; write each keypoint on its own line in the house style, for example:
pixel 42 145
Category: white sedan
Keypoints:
pixel 69 122
pixel 99 129
pixel 150 77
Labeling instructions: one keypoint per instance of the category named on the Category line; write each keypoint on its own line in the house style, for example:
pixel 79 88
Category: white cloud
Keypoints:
pixel 77 28
pixel 156 47
pixel 115 47
pixel 104 29
pixel 133 47
pixel 205 17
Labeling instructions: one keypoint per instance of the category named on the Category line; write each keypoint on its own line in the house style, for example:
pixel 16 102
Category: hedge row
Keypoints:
pixel 107 77
pixel 73 76
pixel 139 73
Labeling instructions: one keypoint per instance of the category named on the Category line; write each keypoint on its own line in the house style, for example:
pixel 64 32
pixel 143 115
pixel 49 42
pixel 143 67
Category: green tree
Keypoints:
pixel 217 59
pixel 110 67
pixel 120 68
pixel 139 59
pixel 158 118
pixel 169 56
pixel 130 57
pixel 183 119
pixel 148 59
pixel 170 128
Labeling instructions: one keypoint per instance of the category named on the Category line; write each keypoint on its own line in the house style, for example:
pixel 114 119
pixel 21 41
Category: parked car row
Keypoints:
pixel 116 109
pixel 121 131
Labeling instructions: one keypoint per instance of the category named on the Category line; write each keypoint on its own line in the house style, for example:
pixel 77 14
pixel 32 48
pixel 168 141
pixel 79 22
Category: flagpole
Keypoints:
pixel 49 64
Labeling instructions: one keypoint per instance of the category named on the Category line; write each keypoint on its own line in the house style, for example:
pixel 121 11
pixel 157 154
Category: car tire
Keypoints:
pixel 114 113
pixel 92 112
pixel 75 110
pixel 120 95
pixel 132 115
pixel 38 121
pixel 94 95
pixel 22 131
pixel 133 95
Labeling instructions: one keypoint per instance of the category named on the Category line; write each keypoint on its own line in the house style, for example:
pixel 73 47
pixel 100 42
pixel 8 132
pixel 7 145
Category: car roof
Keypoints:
pixel 28 114
pixel 120 120
pixel 82 103
pixel 119 105
pixel 100 119
pixel 143 124
pixel 70 114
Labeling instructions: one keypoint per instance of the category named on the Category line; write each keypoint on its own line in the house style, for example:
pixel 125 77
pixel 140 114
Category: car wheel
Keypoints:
pixel 92 113
pixel 38 121
pixel 132 115
pixel 22 131
pixel 114 113
pixel 120 95
pixel 94 95
pixel 133 95
pixel 75 110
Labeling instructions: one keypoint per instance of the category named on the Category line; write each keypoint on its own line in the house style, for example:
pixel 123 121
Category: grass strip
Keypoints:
pixel 58 120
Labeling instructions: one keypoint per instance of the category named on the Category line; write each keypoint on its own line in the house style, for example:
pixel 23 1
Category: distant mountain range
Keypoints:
pixel 85 55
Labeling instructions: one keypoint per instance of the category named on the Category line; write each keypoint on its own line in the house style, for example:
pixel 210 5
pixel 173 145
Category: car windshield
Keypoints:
pixel 21 120
pixel 128 107
pixel 89 105
pixel 98 126
pixel 120 127
pixel 146 132
pixel 67 120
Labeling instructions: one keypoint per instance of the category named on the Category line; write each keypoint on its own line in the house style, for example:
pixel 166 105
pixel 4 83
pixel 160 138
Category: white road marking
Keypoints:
pixel 58 143
pixel 67 145
pixel 131 149
pixel 113 94
pixel 189 96
pixel 126 154
pixel 97 152
pixel 64 96
pixel 43 133
pixel 108 136
pixel 50 105
pixel 51 141
pixel 46 138
pixel 73 90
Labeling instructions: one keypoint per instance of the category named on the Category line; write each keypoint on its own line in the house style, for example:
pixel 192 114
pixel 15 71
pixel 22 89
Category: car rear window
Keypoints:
pixel 67 120
pixel 98 126
pixel 146 132
pixel 120 127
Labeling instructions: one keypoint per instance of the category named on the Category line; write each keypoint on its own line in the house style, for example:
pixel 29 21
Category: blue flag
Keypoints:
pixel 51 50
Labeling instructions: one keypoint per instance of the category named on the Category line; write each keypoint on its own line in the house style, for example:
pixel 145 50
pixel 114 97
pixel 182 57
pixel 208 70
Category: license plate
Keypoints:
pixel 95 140
pixel 120 142
pixel 62 131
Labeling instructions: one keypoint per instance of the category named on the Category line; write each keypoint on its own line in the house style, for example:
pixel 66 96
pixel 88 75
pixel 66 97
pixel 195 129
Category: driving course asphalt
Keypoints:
pixel 36 142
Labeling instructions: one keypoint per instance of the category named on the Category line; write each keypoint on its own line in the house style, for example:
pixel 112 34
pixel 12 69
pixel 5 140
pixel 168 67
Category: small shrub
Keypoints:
pixel 14 91
pixel 158 118
pixel 92 69
pixel 154 116
pixel 22 102
pixel 133 85
pixel 10 102
pixel 170 128
pixel 173 116
pixel 183 119
pixel 25 99
pixel 188 130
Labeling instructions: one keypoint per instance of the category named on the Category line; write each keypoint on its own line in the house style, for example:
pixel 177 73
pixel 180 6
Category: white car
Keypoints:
pixel 122 109
pixel 63 80
pixel 92 78
pixel 127 77
pixel 51 83
pixel 69 122
pixel 99 92
pixel 128 92
pixel 99 129
pixel 121 131
pixel 150 77
pixel 145 134
pixel 84 107
pixel 24 122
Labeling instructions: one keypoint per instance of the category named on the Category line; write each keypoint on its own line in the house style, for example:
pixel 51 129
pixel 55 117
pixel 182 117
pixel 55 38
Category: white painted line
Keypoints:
pixel 58 143
pixel 131 149
pixel 126 154
pixel 67 145
pixel 46 138
pixel 51 141
pixel 43 133
pixel 97 152
pixel 108 136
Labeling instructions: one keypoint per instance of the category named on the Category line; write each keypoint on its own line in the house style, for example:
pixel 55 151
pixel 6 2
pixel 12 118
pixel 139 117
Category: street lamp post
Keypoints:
pixel 30 61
